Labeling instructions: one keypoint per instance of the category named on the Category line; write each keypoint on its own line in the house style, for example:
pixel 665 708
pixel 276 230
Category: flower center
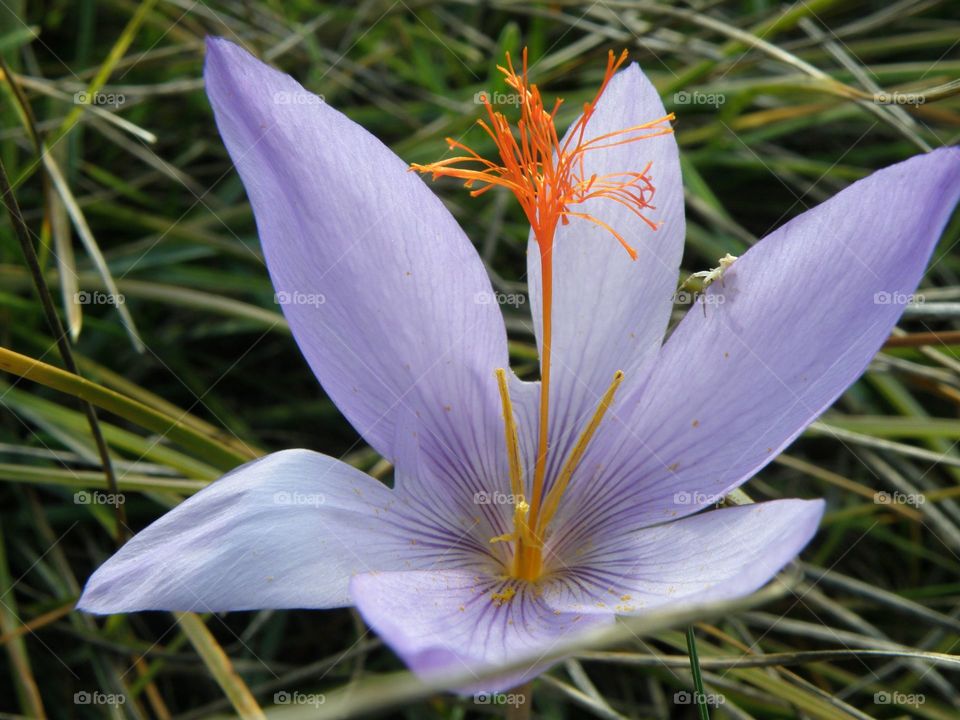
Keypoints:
pixel 549 179
pixel 529 528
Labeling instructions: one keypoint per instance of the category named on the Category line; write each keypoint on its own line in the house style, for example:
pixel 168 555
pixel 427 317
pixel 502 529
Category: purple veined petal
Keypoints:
pixel 610 312
pixel 385 295
pixel 795 322
pixel 449 500
pixel 716 555
pixel 466 486
pixel 285 531
pixel 445 623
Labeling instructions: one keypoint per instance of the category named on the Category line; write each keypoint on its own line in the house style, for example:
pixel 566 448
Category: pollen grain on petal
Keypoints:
pixel 504 596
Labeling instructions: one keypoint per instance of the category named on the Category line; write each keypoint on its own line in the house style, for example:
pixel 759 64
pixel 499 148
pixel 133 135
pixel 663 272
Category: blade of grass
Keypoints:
pixel 210 449
pixel 76 216
pixel 220 666
pixel 700 697
pixel 141 448
pixel 116 53
pixel 87 479
pixel 23 678
pixel 63 346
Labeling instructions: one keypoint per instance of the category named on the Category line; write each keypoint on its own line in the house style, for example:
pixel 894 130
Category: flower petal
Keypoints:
pixel 285 531
pixel 445 623
pixel 385 295
pixel 803 313
pixel 717 555
pixel 610 312
pixel 448 498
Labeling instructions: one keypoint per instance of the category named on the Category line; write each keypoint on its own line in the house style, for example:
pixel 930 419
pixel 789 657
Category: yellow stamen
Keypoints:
pixel 521 530
pixel 510 429
pixel 526 561
pixel 552 501
pixel 528 531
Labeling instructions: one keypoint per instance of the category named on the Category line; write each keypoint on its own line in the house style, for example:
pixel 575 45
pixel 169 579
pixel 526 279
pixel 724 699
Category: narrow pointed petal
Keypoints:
pixel 444 623
pixel 285 531
pixel 803 313
pixel 717 555
pixel 610 312
pixel 385 295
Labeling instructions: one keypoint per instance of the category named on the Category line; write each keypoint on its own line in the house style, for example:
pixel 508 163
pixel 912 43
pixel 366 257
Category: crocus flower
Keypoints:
pixel 524 513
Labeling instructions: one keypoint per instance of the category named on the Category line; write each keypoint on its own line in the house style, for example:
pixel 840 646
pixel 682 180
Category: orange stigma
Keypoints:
pixel 549 179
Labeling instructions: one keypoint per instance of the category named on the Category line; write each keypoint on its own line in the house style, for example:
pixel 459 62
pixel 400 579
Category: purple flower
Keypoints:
pixel 466 563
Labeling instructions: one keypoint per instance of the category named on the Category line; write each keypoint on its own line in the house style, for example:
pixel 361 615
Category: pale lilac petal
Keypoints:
pixel 717 555
pixel 445 623
pixel 804 312
pixel 610 312
pixel 385 295
pixel 285 531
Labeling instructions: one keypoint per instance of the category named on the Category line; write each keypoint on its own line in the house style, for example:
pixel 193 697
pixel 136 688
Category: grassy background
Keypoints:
pixel 775 107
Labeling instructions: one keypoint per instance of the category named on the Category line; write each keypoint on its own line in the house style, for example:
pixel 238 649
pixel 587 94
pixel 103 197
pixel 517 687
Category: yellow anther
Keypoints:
pixel 552 501
pixel 520 523
pixel 521 530
pixel 510 429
